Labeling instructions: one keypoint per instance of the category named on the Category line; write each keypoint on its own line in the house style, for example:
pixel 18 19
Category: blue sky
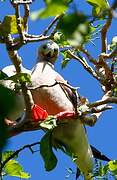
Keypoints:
pixel 102 135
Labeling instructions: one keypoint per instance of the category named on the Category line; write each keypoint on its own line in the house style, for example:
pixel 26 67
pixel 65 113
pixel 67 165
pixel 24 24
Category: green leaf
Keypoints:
pixel 7 100
pixel 60 39
pixel 7 154
pixel 24 77
pixel 3 133
pixel 70 22
pixel 46 151
pixel 53 8
pixel 3 75
pixel 13 168
pixel 49 11
pixel 49 123
pixel 58 1
pixel 113 166
pixel 75 28
pixel 98 6
pixel 9 25
pixel 65 62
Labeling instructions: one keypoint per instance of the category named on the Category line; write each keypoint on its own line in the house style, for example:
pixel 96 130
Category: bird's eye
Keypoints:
pixel 45 46
pixel 55 50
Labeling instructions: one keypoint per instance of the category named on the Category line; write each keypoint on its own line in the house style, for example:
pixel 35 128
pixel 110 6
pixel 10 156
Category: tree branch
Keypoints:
pixel 85 65
pixel 103 102
pixel 110 55
pixel 19 23
pixel 51 24
pixel 104 32
pixel 16 59
pixel 16 153
pixel 26 16
pixel 91 59
pixel 114 6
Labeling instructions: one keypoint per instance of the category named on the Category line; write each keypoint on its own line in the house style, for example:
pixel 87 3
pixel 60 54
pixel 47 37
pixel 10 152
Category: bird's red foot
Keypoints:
pixel 38 114
pixel 66 115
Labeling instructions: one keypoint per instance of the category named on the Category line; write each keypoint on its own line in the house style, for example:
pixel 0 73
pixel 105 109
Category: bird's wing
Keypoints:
pixel 70 93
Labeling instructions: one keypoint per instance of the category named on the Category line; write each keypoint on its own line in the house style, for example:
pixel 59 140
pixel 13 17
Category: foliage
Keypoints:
pixel 72 30
pixel 9 25
pixel 12 167
pixel 98 6
pixel 7 102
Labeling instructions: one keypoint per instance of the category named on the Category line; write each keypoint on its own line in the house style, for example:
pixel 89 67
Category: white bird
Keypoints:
pixel 10 70
pixel 57 98
pixel 16 112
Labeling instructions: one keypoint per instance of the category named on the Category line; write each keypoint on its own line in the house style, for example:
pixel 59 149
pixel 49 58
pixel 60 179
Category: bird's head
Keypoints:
pixel 48 51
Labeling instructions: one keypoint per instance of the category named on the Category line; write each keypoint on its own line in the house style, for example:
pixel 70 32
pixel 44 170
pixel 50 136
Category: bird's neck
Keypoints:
pixel 45 62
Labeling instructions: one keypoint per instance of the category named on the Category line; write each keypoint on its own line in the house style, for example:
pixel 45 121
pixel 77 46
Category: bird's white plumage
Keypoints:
pixel 10 70
pixel 19 104
pixel 54 99
pixel 71 133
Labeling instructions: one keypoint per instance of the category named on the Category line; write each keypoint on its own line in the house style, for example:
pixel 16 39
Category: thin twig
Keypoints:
pixel 28 39
pixel 29 146
pixel 102 102
pixel 26 16
pixel 16 59
pixel 51 24
pixel 91 59
pixel 104 32
pixel 85 65
pixel 110 55
pixel 19 23
pixel 114 6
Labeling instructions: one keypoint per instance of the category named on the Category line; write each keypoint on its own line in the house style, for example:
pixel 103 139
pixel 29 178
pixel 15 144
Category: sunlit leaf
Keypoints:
pixel 7 154
pixel 65 60
pixel 46 151
pixel 9 25
pixel 58 1
pixel 24 77
pixel 113 165
pixel 13 168
pixel 53 8
pixel 49 123
pixel 49 11
pixel 98 6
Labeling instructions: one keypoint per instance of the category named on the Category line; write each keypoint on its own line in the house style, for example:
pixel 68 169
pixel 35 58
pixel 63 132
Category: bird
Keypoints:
pixel 10 70
pixel 52 93
pixel 16 112
pixel 58 97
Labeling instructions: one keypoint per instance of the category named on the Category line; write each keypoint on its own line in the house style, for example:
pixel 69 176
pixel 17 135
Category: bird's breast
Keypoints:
pixel 47 94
